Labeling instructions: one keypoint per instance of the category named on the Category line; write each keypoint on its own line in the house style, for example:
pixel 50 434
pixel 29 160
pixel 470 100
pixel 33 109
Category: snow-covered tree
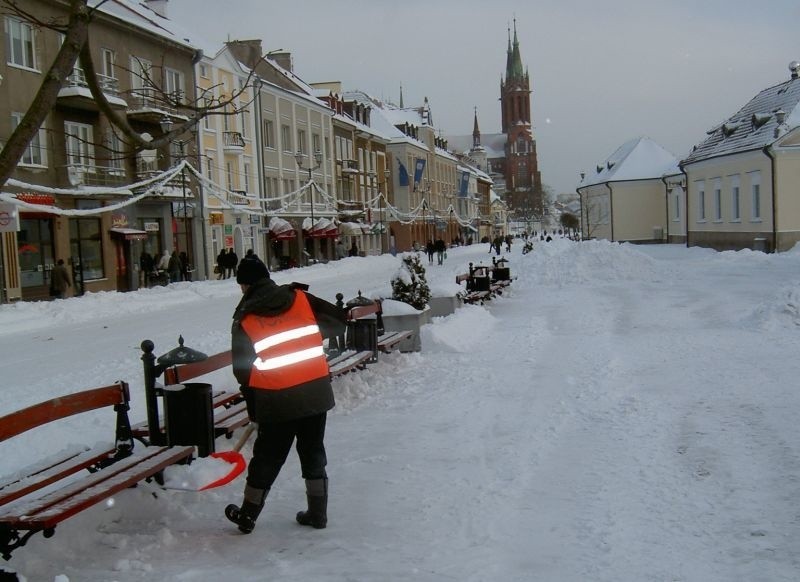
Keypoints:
pixel 409 284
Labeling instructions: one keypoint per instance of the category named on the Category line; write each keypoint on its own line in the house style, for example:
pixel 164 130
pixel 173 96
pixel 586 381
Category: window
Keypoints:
pixel 35 154
pixel 736 214
pixel 286 138
pixel 677 204
pixel 756 201
pixel 141 83
pixel 109 60
pixel 115 154
pixel 301 140
pixel 315 143
pixel 701 201
pixel 173 83
pixel 717 199
pixel 80 144
pixel 86 245
pixel 247 169
pixel 203 70
pixel 20 39
pixel 229 175
pixel 245 121
pixel 208 123
pixel 269 134
pixel 210 164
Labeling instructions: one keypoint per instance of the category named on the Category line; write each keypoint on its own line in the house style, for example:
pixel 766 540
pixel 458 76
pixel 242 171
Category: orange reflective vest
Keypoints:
pixel 288 347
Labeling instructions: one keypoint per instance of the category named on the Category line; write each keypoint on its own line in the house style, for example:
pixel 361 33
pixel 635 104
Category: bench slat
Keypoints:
pixel 349 360
pixel 59 469
pixel 57 506
pixel 23 420
pixel 185 372
pixel 389 340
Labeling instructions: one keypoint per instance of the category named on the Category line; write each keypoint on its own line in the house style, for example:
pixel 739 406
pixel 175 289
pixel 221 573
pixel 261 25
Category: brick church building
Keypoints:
pixel 510 157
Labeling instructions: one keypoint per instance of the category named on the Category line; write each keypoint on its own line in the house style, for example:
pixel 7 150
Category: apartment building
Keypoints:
pixel 74 178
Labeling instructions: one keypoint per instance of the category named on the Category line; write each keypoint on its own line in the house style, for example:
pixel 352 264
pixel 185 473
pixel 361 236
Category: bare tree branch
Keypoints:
pixel 46 97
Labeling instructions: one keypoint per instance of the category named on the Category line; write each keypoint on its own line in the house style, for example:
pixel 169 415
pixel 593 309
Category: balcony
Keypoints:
pixel 76 94
pixel 146 106
pixel 93 175
pixel 349 167
pixel 232 142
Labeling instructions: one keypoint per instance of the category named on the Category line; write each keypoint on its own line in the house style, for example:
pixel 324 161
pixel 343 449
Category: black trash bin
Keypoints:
pixel 189 416
pixel 365 336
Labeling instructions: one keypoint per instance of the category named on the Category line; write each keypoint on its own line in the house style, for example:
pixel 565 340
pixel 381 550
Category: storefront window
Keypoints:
pixel 86 247
pixel 35 248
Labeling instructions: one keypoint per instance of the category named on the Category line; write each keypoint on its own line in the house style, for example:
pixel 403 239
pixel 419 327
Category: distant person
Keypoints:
pixel 231 261
pixel 441 249
pixel 59 280
pixel 341 252
pixel 146 267
pixel 186 274
pixel 354 249
pixel 174 267
pixel 430 248
pixel 221 264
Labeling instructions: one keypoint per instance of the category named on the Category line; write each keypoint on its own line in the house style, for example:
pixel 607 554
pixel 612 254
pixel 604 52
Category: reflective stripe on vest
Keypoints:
pixel 288 347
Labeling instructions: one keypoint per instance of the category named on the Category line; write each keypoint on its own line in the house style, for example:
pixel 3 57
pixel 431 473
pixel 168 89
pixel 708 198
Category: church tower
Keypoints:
pixel 523 179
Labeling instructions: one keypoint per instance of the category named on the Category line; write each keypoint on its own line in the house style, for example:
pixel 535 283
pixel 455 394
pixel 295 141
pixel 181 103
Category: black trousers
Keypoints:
pixel 273 443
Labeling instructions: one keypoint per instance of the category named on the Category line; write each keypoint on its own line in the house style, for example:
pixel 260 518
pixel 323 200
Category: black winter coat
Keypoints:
pixel 266 298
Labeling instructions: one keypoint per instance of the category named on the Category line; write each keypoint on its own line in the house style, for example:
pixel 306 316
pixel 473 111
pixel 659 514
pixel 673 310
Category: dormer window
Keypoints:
pixel 759 119
pixel 729 128
pixel 599 168
pixel 610 165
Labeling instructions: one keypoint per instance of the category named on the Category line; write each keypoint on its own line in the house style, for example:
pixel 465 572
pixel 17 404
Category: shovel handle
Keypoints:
pixel 249 429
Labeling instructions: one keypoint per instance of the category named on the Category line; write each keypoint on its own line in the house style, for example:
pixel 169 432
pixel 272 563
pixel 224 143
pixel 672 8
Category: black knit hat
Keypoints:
pixel 251 270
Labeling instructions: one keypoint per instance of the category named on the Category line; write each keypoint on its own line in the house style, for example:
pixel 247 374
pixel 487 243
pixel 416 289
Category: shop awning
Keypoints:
pixel 280 229
pixel 350 228
pixel 322 228
pixel 129 233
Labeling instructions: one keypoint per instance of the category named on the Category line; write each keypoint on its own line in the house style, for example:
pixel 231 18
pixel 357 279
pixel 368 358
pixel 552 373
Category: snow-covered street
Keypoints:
pixel 621 414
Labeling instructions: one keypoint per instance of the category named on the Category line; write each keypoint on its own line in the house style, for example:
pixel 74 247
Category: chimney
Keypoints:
pixel 794 67
pixel 157 6
pixel 282 58
pixel 247 51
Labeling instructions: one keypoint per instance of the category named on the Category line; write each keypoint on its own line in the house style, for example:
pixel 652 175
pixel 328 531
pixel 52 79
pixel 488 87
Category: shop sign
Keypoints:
pixel 9 218
pixel 151 227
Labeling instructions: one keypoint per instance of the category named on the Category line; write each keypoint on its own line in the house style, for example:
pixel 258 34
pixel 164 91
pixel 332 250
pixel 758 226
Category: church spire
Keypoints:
pixel 401 95
pixel 476 132
pixel 509 55
pixel 517 72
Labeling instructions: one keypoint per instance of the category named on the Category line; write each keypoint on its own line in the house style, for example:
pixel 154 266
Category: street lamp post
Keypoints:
pixel 298 158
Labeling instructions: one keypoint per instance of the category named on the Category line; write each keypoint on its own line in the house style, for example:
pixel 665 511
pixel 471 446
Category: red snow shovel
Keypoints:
pixel 232 457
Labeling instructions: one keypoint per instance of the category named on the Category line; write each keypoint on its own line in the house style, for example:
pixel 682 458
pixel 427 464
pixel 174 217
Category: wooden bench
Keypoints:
pixel 40 496
pixel 484 282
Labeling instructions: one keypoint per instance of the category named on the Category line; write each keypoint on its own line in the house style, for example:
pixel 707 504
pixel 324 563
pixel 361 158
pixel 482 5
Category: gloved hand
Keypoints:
pixel 249 400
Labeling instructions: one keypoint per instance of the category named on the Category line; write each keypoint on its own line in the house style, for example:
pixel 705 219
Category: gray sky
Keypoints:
pixel 601 72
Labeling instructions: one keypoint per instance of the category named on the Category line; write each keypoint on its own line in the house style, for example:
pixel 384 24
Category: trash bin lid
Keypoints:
pixel 360 300
pixel 181 355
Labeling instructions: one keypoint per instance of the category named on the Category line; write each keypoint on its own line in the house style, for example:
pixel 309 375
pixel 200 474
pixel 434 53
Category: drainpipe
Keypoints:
pixel 686 200
pixel 580 201
pixel 666 200
pixel 611 208
pixel 768 152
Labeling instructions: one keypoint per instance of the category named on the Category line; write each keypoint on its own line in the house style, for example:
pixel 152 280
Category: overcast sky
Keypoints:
pixel 601 72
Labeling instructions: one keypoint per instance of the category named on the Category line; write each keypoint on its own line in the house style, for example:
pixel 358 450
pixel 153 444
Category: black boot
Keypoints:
pixel 317 495
pixel 246 515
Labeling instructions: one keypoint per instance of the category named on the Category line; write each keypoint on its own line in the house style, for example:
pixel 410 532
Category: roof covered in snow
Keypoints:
pixel 638 159
pixel 138 14
pixel 493 143
pixel 761 122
